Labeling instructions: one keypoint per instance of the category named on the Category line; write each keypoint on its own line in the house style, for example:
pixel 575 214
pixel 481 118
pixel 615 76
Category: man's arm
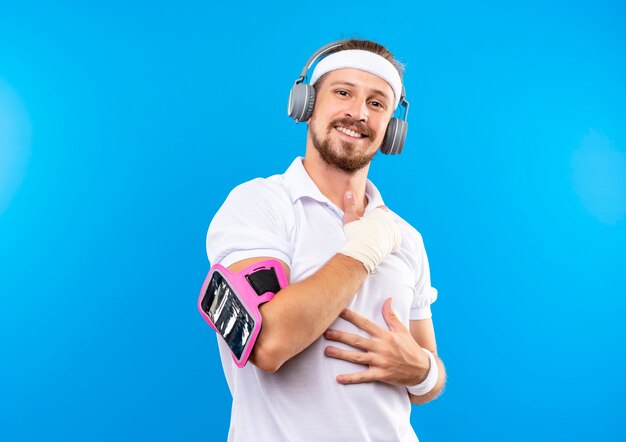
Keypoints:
pixel 300 312
pixel 423 331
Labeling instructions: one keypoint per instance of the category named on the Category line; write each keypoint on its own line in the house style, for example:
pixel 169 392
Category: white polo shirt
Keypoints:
pixel 287 217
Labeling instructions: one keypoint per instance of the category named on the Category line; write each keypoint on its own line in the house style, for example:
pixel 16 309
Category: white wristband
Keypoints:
pixel 431 378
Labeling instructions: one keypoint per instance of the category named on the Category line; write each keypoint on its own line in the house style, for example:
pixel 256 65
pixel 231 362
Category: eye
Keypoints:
pixel 342 92
pixel 377 104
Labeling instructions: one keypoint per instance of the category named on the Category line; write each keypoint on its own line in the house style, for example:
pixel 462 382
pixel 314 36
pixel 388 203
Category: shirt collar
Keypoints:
pixel 299 184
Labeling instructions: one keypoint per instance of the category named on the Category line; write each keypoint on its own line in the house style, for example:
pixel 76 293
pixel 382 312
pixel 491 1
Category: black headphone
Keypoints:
pixel 302 101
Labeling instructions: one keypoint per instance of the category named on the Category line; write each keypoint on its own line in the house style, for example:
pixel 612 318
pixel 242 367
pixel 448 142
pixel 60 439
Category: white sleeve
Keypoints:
pixel 425 294
pixel 253 221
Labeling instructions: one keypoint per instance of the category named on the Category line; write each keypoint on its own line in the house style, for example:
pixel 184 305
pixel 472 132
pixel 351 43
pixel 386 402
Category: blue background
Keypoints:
pixel 124 126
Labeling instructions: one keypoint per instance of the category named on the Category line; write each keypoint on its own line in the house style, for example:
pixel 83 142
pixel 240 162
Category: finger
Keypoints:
pixel 349 208
pixel 358 357
pixel 368 375
pixel 356 341
pixel 392 320
pixel 365 324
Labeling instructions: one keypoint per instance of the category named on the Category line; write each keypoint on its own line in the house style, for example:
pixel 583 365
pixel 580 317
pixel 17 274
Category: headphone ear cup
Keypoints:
pixel 394 137
pixel 301 102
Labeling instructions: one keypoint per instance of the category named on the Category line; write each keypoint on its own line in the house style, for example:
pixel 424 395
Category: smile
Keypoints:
pixel 350 133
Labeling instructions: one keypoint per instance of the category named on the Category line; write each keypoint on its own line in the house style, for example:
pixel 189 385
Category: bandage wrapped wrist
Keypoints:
pixel 372 238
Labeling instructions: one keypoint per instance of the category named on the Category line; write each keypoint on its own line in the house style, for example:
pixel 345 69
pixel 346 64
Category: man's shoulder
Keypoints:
pixel 268 190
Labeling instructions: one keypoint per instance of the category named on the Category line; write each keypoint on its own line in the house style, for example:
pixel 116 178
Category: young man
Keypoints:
pixel 349 344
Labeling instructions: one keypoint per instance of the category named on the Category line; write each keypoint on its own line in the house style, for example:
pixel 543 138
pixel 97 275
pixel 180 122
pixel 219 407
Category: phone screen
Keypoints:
pixel 228 314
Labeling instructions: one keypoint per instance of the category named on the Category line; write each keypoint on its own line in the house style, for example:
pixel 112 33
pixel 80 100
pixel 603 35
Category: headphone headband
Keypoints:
pixel 319 53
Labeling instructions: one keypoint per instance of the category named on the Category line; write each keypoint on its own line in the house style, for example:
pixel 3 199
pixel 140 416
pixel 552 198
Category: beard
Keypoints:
pixel 342 154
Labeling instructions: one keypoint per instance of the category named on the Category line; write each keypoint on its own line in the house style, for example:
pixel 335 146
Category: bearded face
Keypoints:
pixel 351 113
pixel 339 150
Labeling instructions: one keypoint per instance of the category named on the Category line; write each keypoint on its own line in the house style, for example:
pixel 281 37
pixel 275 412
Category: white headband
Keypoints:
pixel 364 61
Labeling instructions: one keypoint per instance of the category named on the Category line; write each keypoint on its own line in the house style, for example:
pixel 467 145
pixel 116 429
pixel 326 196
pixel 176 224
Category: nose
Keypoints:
pixel 358 110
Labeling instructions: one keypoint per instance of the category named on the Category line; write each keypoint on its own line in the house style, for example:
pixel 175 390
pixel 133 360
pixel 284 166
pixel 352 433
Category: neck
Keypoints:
pixel 333 182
